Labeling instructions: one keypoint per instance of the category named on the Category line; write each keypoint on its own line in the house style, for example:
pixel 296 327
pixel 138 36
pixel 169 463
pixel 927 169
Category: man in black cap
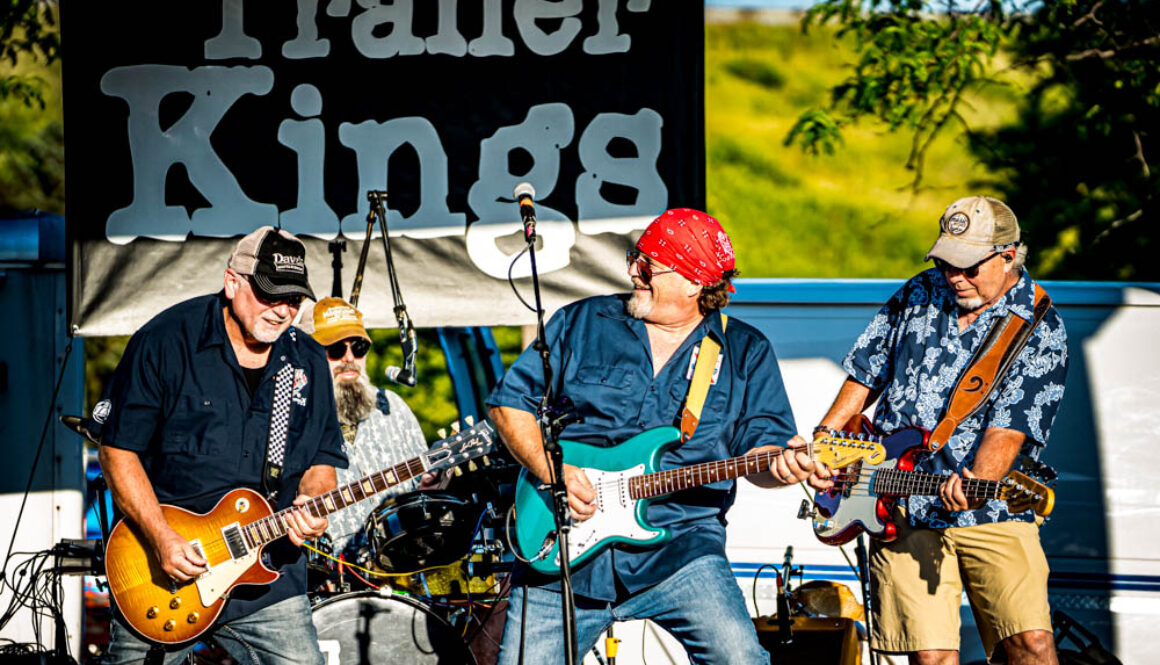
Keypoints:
pixel 191 414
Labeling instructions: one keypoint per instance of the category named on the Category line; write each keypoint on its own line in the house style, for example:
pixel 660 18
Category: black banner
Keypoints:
pixel 191 123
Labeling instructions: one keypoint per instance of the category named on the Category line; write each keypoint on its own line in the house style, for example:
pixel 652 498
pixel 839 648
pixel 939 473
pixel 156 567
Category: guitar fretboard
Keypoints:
pixel 262 531
pixel 899 482
pixel 673 480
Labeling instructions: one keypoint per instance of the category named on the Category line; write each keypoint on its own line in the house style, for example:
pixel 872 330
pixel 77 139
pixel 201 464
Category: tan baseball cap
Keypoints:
pixel 335 320
pixel 275 261
pixel 971 229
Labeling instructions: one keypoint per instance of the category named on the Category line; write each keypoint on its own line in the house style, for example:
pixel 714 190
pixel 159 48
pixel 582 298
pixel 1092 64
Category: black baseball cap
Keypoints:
pixel 275 261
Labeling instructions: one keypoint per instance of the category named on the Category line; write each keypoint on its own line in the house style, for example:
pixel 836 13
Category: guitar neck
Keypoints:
pixel 273 527
pixel 673 480
pixel 898 482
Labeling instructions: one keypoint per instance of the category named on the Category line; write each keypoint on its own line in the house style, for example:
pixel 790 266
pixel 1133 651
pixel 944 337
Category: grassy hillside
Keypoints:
pixel 791 214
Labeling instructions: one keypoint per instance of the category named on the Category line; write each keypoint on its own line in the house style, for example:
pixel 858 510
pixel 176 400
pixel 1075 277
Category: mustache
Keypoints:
pixel 347 367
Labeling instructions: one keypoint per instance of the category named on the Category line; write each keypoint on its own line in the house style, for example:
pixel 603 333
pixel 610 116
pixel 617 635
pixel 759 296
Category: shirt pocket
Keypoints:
pixel 199 425
pixel 606 394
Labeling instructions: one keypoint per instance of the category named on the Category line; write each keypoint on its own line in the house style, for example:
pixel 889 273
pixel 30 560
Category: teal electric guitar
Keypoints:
pixel 626 479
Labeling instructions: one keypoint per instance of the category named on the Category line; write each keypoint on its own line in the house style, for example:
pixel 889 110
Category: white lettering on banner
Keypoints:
pixel 374 143
pixel 307 138
pixel 640 172
pixel 233 42
pixel 547 129
pixel 400 41
pixel 527 12
pixel 214 90
pixel 306 44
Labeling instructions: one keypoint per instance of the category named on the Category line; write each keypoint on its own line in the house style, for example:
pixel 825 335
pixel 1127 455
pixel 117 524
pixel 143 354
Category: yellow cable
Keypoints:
pixel 373 573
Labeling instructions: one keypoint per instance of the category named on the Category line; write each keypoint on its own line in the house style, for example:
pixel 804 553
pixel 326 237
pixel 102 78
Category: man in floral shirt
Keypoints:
pixel 911 355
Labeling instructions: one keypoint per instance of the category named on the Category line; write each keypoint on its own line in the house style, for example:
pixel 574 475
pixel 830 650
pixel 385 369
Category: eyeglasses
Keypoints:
pixel 970 272
pixel 358 348
pixel 294 301
pixel 644 268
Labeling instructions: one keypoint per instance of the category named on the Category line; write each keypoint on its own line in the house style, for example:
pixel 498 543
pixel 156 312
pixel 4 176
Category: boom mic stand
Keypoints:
pixel 554 415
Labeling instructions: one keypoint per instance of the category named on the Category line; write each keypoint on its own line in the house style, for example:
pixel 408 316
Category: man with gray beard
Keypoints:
pixel 378 428
pixel 912 355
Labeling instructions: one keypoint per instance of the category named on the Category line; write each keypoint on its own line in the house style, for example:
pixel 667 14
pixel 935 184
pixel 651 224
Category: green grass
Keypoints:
pixel 791 214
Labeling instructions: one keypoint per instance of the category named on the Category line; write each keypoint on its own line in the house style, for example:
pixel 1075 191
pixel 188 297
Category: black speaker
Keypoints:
pixel 815 641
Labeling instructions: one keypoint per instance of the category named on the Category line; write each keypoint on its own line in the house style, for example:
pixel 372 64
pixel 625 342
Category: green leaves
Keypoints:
pixel 816 131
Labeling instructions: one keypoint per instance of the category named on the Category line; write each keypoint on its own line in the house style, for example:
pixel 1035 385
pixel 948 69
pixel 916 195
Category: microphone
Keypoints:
pixel 405 375
pixel 524 194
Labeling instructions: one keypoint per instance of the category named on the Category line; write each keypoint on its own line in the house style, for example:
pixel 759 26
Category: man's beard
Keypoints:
pixel 640 304
pixel 355 399
pixel 969 304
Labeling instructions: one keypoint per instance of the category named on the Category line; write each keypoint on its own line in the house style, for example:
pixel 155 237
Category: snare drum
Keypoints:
pixel 369 628
pixel 421 530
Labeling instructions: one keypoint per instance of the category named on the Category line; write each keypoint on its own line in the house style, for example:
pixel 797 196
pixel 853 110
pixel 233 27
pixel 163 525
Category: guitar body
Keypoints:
pixel 843 514
pixel 172 614
pixel 618 518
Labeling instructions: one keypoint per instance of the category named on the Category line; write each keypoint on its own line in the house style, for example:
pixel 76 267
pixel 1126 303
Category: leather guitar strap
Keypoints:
pixel 699 385
pixel 991 361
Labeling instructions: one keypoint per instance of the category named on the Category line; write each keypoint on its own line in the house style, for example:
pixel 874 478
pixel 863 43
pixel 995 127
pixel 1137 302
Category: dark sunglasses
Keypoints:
pixel 644 269
pixel 971 272
pixel 358 348
pixel 293 301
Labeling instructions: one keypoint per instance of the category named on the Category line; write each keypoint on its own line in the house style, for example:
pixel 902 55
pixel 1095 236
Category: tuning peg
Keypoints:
pixel 455 427
pixel 468 420
pixel 458 471
pixel 471 466
pixel 442 432
pixel 485 460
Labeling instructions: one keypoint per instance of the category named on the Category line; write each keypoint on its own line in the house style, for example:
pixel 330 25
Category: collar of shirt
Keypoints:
pixel 213 333
pixel 615 309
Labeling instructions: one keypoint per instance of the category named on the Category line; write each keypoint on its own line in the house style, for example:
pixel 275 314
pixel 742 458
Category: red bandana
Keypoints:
pixel 692 243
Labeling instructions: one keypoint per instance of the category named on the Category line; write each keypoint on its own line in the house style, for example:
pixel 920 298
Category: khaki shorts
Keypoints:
pixel 918 581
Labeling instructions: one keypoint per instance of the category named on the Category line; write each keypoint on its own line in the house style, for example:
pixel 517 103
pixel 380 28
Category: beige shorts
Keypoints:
pixel 918 581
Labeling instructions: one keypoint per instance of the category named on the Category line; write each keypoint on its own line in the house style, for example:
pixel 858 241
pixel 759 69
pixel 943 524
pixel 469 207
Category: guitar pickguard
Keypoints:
pixel 215 582
pixel 858 509
pixel 615 518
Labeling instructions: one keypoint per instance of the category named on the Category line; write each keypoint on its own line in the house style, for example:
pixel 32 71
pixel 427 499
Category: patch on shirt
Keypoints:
pixel 300 382
pixel 101 410
pixel 693 365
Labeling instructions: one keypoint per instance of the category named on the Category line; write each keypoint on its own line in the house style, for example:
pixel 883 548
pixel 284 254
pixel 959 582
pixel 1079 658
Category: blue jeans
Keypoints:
pixel 700 604
pixel 281 634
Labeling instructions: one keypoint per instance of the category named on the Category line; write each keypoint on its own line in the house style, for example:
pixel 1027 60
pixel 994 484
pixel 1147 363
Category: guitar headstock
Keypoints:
pixel 477 441
pixel 1022 492
pixel 841 449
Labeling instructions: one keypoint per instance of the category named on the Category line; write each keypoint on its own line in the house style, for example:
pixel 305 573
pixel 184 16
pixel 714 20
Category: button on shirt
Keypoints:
pixel 913 350
pixel 602 360
pixel 179 398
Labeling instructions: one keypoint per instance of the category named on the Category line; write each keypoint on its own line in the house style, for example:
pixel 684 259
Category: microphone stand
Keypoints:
pixel 553 418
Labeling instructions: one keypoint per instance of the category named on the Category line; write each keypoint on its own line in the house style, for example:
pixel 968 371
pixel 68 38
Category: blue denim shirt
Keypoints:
pixel 913 350
pixel 602 361
pixel 180 400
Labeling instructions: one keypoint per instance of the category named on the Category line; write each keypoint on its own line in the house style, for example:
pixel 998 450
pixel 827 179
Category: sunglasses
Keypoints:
pixel 971 272
pixel 293 301
pixel 644 269
pixel 358 348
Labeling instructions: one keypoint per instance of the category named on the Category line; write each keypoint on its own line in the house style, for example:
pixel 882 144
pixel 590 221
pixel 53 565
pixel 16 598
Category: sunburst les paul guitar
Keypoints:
pixel 626 479
pixel 231 537
pixel 865 493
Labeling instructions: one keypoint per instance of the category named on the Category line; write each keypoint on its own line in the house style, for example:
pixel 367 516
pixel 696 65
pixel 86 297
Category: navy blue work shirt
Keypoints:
pixel 603 362
pixel 180 400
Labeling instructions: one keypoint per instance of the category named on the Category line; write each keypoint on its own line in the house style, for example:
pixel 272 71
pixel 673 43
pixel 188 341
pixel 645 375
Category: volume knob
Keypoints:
pixel 151 613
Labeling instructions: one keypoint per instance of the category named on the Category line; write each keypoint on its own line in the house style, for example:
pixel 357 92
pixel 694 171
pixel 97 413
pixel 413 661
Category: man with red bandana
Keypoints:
pixel 626 362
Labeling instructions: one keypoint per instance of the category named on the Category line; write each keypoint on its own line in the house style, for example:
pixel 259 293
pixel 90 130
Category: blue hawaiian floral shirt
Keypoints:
pixel 913 351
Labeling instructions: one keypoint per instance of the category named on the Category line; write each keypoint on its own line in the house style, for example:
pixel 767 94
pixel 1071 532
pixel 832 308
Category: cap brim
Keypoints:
pixel 339 333
pixel 958 253
pixel 270 290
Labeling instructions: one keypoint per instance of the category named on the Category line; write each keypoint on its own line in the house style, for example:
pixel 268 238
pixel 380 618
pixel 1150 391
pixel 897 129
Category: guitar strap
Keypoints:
pixel 991 361
pixel 699 386
pixel 279 426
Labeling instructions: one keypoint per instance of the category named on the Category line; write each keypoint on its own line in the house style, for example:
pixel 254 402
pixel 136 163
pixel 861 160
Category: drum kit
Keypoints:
pixel 438 565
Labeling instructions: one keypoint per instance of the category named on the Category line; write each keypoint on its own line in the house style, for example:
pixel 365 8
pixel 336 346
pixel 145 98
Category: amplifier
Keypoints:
pixel 816 641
